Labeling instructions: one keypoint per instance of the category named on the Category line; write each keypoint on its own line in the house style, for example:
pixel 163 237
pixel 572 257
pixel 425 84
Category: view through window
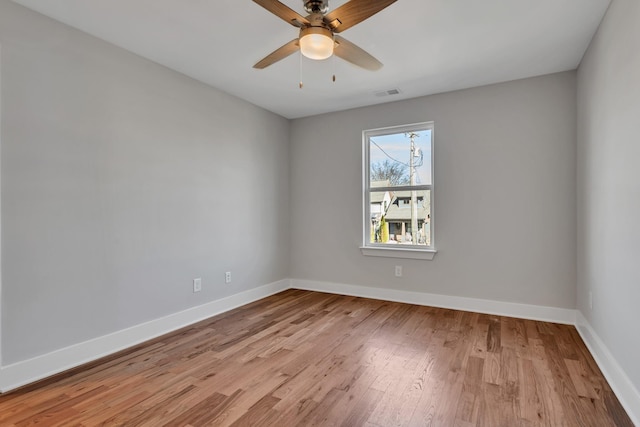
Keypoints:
pixel 399 186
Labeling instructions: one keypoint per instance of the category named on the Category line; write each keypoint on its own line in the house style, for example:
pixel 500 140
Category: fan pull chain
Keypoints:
pixel 333 65
pixel 301 85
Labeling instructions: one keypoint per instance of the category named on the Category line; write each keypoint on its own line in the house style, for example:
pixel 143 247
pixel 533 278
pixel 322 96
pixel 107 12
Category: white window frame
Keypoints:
pixel 381 249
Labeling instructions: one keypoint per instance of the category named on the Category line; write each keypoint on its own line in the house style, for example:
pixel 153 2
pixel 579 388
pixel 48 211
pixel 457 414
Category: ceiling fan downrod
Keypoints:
pixel 316 6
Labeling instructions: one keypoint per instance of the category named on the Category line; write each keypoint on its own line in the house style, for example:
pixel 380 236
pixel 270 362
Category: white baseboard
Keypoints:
pixel 31 370
pixel 620 383
pixel 523 311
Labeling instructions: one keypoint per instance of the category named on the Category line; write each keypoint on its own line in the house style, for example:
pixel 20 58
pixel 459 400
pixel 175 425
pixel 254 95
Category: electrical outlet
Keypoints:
pixel 227 277
pixel 398 271
pixel 197 285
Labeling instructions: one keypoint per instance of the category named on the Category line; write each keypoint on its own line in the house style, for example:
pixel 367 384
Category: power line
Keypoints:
pixel 385 153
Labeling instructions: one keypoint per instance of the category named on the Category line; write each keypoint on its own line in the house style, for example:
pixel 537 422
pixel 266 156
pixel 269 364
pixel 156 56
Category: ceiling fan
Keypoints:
pixel 318 37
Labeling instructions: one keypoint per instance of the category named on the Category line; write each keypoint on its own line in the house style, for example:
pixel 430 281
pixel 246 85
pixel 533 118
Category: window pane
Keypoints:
pixel 400 217
pixel 400 159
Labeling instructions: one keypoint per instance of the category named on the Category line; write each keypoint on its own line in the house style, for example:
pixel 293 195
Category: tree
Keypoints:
pixel 396 173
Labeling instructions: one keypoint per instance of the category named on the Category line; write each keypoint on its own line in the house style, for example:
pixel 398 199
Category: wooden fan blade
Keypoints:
pixel 278 54
pixel 284 12
pixel 350 52
pixel 354 12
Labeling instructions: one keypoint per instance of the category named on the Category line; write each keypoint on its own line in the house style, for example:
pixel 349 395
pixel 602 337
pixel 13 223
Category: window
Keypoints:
pixel 398 191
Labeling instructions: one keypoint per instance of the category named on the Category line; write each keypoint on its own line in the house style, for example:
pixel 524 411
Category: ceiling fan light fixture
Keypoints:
pixel 316 42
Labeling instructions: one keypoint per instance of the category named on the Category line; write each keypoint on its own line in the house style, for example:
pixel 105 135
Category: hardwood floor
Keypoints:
pixel 307 358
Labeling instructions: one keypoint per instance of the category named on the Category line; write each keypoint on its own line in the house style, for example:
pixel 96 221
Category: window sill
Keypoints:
pixel 426 254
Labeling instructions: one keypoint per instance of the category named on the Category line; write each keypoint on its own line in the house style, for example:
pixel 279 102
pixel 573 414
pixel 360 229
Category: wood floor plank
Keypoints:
pixel 204 411
pixel 309 358
pixel 355 388
pixel 119 414
pixel 553 411
pixel 531 408
pixel 258 413
pixel 400 391
pixel 252 393
pixel 470 398
pixel 360 412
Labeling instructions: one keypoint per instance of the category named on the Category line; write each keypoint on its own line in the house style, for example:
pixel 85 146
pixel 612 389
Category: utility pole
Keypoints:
pixel 412 180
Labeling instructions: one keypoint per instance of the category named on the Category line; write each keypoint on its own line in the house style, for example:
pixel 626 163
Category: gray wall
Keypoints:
pixel 609 184
pixel 504 194
pixel 121 182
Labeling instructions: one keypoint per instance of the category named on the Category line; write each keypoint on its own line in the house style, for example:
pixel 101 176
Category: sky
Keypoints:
pixel 395 148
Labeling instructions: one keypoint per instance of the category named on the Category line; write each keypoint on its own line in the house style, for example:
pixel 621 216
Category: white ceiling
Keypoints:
pixel 426 46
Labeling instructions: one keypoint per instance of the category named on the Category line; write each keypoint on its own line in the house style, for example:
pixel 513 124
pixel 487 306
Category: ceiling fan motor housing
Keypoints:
pixel 316 6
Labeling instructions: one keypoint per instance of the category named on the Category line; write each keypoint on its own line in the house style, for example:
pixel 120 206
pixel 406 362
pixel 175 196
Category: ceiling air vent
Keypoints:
pixel 387 92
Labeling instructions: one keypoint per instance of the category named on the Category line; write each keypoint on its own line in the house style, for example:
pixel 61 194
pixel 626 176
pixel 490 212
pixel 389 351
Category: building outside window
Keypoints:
pixel 398 191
